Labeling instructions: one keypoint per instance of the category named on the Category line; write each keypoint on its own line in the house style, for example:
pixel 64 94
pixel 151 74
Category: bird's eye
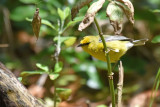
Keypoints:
pixel 100 40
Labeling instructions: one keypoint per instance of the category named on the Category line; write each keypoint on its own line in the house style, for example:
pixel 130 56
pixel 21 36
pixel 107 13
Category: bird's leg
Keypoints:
pixel 108 50
pixel 114 66
pixel 110 76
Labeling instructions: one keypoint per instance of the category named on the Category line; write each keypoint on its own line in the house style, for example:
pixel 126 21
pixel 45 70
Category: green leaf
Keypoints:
pixel 43 67
pixel 66 12
pixel 46 22
pixel 66 79
pixel 155 88
pixel 53 76
pixel 60 13
pixel 62 39
pixel 63 93
pixel 28 19
pixel 101 105
pixel 20 79
pixel 71 23
pixel 156 39
pixel 63 14
pixel 70 41
pixel 26 73
pixel 29 1
pixel 94 80
pixel 58 67
pixel 156 11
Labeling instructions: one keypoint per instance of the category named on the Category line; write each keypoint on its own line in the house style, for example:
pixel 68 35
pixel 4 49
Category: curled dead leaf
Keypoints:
pixel 75 10
pixel 91 12
pixel 116 15
pixel 36 23
pixel 128 8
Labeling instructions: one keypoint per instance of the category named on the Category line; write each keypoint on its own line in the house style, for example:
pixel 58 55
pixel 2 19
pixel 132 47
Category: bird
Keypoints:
pixel 117 46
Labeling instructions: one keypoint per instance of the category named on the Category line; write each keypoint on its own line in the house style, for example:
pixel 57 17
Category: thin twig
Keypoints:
pixel 58 50
pixel 120 84
pixel 3 45
pixel 55 95
pixel 41 81
pixel 88 103
pixel 110 73
pixel 155 88
pixel 8 28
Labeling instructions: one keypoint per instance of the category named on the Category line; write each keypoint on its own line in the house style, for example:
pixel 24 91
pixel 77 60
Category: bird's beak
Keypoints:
pixel 80 45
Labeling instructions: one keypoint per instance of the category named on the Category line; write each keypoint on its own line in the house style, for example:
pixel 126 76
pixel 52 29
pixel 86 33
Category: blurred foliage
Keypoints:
pixel 156 39
pixel 25 54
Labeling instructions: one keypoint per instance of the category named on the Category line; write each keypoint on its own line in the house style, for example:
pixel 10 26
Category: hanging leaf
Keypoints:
pixel 91 12
pixel 128 8
pixel 36 23
pixel 45 22
pixel 75 10
pixel 116 15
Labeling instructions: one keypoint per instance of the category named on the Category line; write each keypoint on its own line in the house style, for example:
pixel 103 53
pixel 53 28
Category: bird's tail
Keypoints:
pixel 139 42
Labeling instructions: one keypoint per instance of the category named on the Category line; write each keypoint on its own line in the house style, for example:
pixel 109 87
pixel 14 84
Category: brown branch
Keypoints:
pixel 120 84
pixel 3 45
pixel 8 28
pixel 13 93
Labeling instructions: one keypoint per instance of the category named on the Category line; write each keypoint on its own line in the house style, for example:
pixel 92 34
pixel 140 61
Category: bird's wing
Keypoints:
pixel 114 38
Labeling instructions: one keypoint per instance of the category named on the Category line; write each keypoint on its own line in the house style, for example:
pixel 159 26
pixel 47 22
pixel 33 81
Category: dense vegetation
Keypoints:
pixel 72 71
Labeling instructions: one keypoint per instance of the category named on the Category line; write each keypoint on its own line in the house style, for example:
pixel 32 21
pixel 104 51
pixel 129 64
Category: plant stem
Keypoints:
pixel 155 88
pixel 120 85
pixel 58 50
pixel 55 95
pixel 110 73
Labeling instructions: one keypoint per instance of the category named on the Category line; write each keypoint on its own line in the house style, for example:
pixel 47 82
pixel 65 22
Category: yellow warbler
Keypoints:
pixel 117 46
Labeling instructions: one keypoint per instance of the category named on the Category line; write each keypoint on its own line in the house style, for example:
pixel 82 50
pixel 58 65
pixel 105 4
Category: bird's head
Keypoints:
pixel 87 40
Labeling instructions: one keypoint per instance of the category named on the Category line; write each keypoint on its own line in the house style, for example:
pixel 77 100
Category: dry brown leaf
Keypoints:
pixel 116 15
pixel 37 91
pixel 75 10
pixel 91 12
pixel 128 9
pixel 142 99
pixel 36 23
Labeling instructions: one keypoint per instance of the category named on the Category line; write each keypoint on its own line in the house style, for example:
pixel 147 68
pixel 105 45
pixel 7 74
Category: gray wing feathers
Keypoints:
pixel 114 38
pixel 109 38
pixel 139 42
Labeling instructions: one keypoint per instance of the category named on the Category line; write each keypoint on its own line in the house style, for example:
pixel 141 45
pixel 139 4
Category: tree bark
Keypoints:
pixel 13 93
